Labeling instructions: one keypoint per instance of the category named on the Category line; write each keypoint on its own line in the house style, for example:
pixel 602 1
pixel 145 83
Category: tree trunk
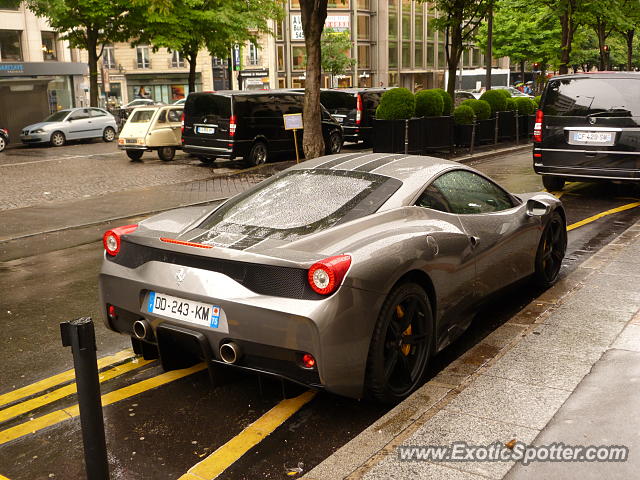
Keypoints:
pixel 568 27
pixel 453 57
pixel 192 58
pixel 314 14
pixel 92 47
pixel 489 52
pixel 522 68
pixel 602 38
pixel 629 38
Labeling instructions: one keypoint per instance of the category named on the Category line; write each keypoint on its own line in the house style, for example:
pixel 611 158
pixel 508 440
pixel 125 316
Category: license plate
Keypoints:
pixel 203 314
pixel 581 137
pixel 208 130
pixel 131 140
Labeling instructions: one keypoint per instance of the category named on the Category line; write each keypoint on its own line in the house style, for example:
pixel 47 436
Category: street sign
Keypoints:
pixel 236 57
pixel 292 121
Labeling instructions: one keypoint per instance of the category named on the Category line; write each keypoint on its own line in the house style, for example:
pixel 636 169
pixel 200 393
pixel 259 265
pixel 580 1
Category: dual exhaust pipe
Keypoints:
pixel 229 352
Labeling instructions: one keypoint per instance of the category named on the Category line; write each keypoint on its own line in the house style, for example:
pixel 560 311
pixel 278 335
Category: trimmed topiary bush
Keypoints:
pixel 496 100
pixel 481 108
pixel 525 106
pixel 505 92
pixel 537 99
pixel 429 103
pixel 464 115
pixel 396 104
pixel 511 105
pixel 447 100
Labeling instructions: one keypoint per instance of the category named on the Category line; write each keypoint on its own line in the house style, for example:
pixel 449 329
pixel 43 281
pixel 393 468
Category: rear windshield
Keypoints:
pixel 613 97
pixel 338 100
pixel 58 116
pixel 208 104
pixel 142 116
pixel 298 203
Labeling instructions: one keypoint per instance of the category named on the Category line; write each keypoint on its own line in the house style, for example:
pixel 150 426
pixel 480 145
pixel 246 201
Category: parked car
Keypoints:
pixel 345 272
pixel 179 102
pixel 140 102
pixel 71 124
pixel 355 109
pixel 4 138
pixel 587 129
pixel 247 124
pixel 462 95
pixel 152 128
pixel 512 90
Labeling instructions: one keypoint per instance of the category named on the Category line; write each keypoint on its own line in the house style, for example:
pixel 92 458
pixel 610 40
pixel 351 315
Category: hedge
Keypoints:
pixel 481 108
pixel 504 92
pixel 464 115
pixel 525 105
pixel 429 103
pixel 446 98
pixel 511 105
pixel 396 104
pixel 496 99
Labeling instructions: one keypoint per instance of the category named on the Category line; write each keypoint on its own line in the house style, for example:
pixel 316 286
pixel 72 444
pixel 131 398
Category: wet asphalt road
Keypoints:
pixel 162 432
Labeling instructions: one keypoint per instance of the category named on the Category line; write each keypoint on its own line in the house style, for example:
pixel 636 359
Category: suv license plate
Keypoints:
pixel 188 310
pixel 208 130
pixel 585 138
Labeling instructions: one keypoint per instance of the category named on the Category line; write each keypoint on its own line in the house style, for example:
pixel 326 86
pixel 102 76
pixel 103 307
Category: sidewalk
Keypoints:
pixel 565 369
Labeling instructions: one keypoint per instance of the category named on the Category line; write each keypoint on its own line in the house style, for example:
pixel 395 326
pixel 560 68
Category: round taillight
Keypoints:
pixel 308 361
pixel 326 275
pixel 111 238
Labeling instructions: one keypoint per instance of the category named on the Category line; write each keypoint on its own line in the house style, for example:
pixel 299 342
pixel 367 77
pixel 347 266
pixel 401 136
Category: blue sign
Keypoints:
pixel 236 57
pixel 11 68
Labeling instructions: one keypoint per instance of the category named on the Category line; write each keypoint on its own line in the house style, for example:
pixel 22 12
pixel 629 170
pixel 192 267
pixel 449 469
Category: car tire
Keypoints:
pixel 166 153
pixel 57 139
pixel 334 145
pixel 259 154
pixel 396 368
pixel 553 183
pixel 3 143
pixel 551 250
pixel 109 134
pixel 206 160
pixel 134 154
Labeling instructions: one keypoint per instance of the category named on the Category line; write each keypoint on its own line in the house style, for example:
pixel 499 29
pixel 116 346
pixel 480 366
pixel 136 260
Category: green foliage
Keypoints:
pixel 496 100
pixel 524 105
pixel 481 108
pixel 335 46
pixel 396 104
pixel 446 99
pixel 429 103
pixel 511 104
pixel 537 100
pixel 504 91
pixel 464 115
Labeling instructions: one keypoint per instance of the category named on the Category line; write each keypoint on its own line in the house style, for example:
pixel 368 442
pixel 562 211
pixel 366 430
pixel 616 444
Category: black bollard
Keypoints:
pixel 80 336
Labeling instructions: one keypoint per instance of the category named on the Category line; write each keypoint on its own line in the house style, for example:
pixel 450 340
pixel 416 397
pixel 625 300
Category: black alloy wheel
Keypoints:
pixel 553 183
pixel 551 250
pixel 259 154
pixel 166 153
pixel 334 145
pixel 400 345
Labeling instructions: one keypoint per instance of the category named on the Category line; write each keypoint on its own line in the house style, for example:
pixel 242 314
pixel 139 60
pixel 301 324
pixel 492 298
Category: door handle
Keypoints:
pixel 475 241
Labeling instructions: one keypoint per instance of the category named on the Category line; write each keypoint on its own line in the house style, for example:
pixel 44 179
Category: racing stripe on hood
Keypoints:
pixel 372 165
pixel 340 160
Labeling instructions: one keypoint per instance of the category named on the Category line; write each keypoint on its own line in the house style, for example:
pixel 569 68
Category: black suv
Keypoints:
pixel 588 128
pixel 355 109
pixel 232 124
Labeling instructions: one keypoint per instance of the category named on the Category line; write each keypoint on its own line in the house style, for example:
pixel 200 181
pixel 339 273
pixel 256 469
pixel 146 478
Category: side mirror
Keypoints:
pixel 536 208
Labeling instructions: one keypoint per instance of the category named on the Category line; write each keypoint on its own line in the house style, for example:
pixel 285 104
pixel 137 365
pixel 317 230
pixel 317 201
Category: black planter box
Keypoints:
pixel 417 136
pixel 438 133
pixel 388 136
pixel 506 125
pixel 463 134
pixel 486 131
pixel 523 125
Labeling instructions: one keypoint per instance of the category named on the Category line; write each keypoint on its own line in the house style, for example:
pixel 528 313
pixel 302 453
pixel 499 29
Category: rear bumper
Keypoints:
pixel 355 134
pixel 133 147
pixel 579 168
pixel 218 152
pixel 273 332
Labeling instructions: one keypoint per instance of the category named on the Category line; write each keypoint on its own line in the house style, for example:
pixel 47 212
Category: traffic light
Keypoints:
pixel 605 48
pixel 536 66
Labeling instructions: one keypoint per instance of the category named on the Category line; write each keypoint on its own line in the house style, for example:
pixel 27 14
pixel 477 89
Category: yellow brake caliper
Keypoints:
pixel 405 348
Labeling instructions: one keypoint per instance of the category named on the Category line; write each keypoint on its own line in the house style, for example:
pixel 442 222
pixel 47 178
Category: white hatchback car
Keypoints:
pixel 152 128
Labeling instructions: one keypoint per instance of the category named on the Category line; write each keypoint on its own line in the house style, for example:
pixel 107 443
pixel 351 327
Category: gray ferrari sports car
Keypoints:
pixel 346 272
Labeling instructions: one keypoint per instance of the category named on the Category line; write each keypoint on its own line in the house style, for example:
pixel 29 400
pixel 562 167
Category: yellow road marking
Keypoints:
pixel 60 378
pixel 107 399
pixel 2 477
pixel 628 206
pixel 230 452
pixel 37 402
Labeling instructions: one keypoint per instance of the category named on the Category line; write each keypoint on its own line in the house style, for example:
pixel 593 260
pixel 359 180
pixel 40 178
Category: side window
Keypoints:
pixel 468 193
pixel 291 103
pixel 263 106
pixel 80 114
pixel 95 112
pixel 174 115
pixel 432 198
pixel 162 118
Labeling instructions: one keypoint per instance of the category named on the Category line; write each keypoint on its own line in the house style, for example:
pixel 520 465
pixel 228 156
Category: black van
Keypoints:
pixel 232 124
pixel 587 128
pixel 355 109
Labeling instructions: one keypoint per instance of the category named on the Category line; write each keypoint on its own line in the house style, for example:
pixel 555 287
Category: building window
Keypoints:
pixel 280 58
pixel 343 4
pixel 253 55
pixel 10 46
pixel 430 54
pixel 280 31
pixel 364 59
pixel 419 60
pixel 108 57
pixel 298 57
pixel 10 4
pixel 177 60
pixel 477 57
pixel 364 4
pixel 364 27
pixel 406 55
pixel 393 54
pixel 418 29
pixel 295 4
pixel 393 19
pixel 49 51
pixel 282 82
pixel 442 59
pixel 142 57
pixel 218 62
pixel 406 19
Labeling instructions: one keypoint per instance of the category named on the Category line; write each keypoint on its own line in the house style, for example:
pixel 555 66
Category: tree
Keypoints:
pixel 459 20
pixel 88 24
pixel 334 58
pixel 314 14
pixel 627 28
pixel 188 26
pixel 604 18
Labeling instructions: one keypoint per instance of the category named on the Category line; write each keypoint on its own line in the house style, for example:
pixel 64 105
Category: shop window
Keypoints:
pixel 49 50
pixel 10 46
pixel 295 4
pixel 364 58
pixel 343 4
pixel 177 60
pixel 253 55
pixel 298 57
pixel 364 4
pixel 364 23
pixel 393 55
pixel 108 57
pixel 142 57
pixel 282 82
pixel 280 58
